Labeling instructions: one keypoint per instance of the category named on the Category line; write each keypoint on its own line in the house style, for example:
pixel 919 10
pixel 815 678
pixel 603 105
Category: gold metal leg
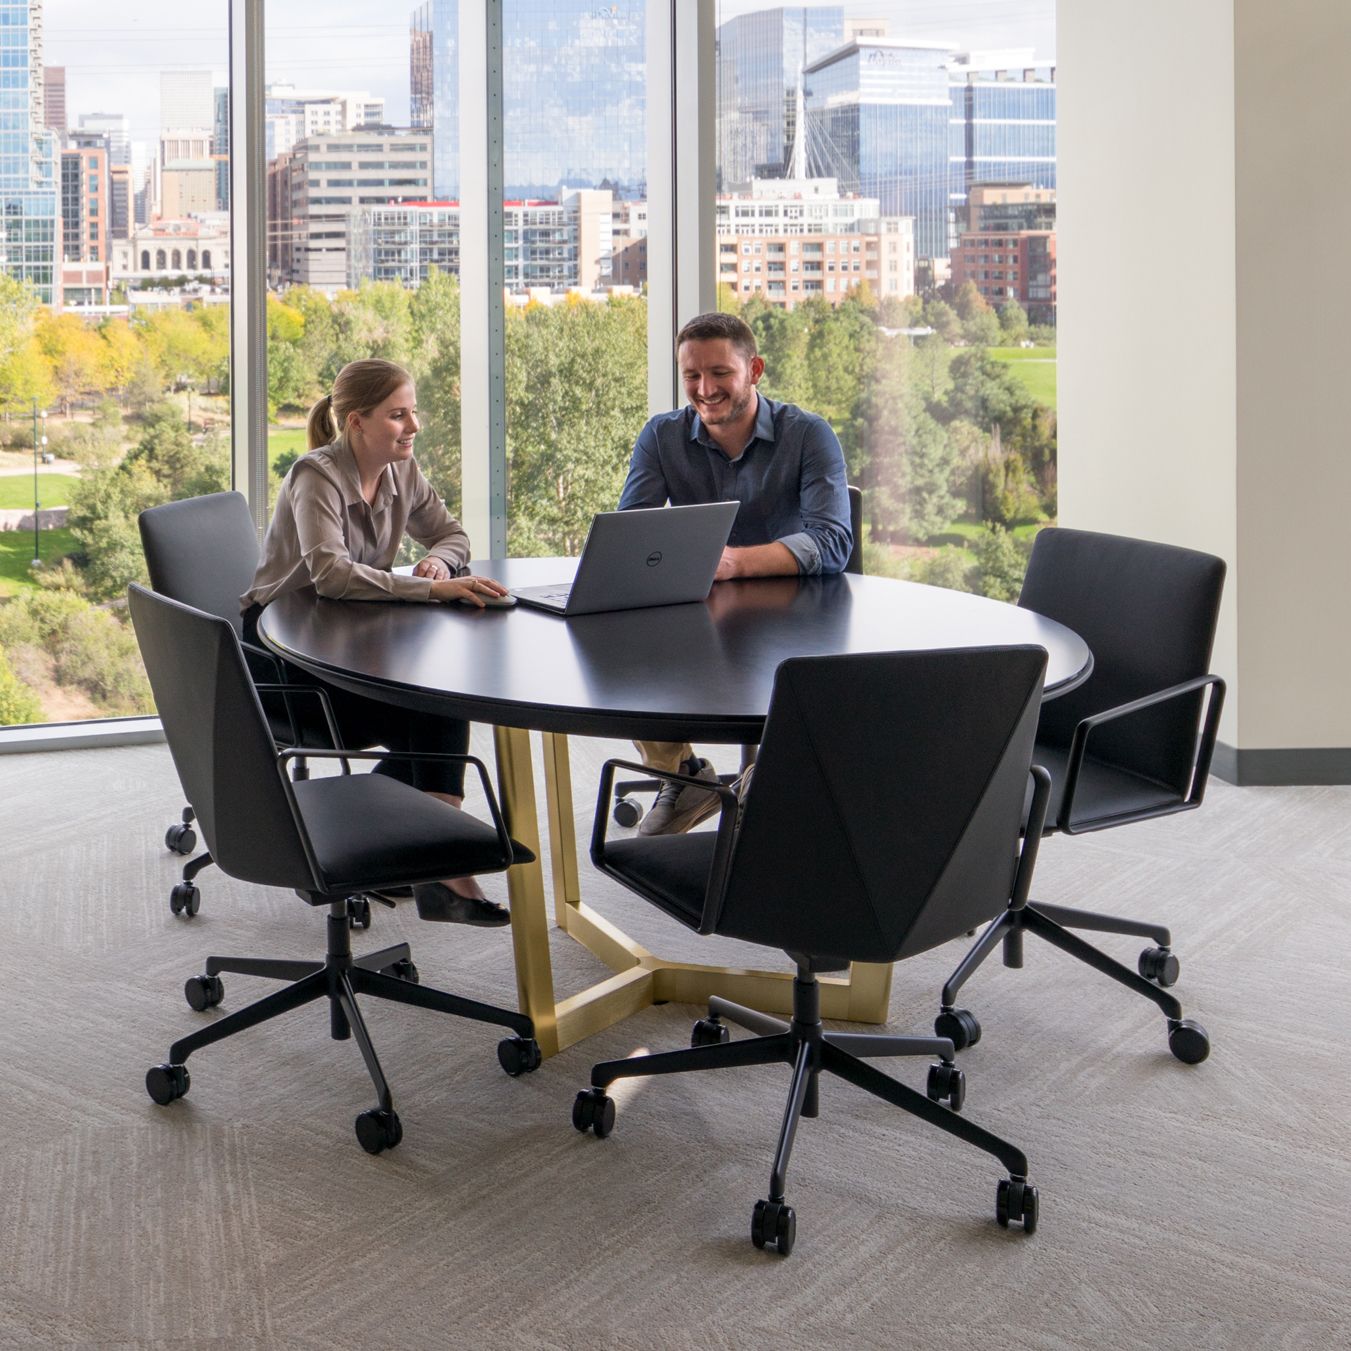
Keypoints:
pixel 640 977
pixel 525 886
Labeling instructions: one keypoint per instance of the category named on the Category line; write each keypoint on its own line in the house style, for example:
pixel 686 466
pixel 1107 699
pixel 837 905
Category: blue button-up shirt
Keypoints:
pixel 789 480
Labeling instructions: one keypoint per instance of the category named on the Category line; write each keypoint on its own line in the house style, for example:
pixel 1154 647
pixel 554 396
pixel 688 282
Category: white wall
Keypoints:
pixel 1201 158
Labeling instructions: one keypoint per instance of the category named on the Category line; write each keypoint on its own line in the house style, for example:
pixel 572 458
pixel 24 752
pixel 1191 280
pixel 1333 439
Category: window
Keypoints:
pixel 897 151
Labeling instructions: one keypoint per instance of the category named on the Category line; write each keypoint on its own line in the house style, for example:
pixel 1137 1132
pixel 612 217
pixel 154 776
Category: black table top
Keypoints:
pixel 698 672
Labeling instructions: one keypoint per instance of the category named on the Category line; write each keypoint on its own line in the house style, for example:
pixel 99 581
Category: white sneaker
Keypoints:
pixel 680 806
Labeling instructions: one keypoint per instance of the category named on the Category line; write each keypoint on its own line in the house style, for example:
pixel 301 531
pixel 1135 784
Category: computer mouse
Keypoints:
pixel 491 602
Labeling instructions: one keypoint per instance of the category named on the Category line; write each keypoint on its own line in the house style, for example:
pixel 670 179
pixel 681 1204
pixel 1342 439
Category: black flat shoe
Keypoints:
pixel 436 901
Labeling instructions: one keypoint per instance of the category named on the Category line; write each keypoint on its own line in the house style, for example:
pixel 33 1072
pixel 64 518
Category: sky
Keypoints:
pixel 113 55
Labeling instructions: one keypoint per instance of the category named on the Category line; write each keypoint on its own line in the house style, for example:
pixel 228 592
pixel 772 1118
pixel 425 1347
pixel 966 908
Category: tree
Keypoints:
pixel 26 375
pixel 1013 322
pixel 18 704
pixel 968 302
pixel 1000 564
pixel 76 354
pixel 982 329
pixel 942 318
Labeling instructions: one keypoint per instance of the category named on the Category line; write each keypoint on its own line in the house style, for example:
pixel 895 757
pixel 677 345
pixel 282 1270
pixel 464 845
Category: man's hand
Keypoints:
pixel 757 560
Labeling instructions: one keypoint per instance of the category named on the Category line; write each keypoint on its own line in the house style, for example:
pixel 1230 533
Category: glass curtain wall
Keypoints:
pixel 885 222
pixel 575 227
pixel 114 356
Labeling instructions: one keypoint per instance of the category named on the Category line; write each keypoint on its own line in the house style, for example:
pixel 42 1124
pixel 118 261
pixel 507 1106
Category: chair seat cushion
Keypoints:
pixel 369 830
pixel 671 871
pixel 1103 789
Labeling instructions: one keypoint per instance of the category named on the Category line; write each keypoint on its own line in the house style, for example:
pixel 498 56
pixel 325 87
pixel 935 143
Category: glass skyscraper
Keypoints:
pixel 574 96
pixel 1002 127
pixel 878 110
pixel 30 181
pixel 761 57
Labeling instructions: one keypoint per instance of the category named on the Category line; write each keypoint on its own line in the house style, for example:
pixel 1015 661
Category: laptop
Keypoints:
pixel 648 556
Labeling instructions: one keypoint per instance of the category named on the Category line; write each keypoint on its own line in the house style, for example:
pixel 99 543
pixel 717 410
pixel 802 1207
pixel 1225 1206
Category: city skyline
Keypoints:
pixel 351 44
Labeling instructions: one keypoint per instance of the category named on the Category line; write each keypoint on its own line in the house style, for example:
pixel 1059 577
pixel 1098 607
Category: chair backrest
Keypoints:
pixel 884 814
pixel 1148 614
pixel 220 741
pixel 202 551
pixel 855 563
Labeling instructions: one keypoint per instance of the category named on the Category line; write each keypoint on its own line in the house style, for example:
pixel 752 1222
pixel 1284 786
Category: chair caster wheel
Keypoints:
pixel 164 1083
pixel 181 839
pixel 519 1055
pixel 404 969
pixel 594 1110
pixel 774 1225
pixel 203 992
pixel 627 812
pixel 1160 966
pixel 359 912
pixel 959 1026
pixel 947 1081
pixel 1016 1199
pixel 378 1130
pixel 185 899
pixel 709 1032
pixel 1189 1041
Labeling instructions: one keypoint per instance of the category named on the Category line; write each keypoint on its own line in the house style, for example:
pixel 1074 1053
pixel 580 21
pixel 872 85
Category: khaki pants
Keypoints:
pixel 665 755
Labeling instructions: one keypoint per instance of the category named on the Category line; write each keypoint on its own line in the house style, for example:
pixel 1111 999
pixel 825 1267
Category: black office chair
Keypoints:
pixel 627 811
pixel 203 551
pixel 883 819
pixel 328 838
pixel 1132 743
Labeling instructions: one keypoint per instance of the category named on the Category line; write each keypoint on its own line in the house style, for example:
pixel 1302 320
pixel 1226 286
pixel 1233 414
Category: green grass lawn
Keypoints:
pixel 964 533
pixel 282 439
pixel 1035 367
pixel 16 553
pixel 16 490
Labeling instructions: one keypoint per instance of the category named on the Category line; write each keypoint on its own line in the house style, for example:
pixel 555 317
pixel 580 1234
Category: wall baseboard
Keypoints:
pixel 1282 768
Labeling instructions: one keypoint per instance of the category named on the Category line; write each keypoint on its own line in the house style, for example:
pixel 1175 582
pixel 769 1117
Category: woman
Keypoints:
pixel 340 516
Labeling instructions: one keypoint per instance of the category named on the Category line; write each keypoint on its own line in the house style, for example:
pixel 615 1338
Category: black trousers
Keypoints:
pixel 364 722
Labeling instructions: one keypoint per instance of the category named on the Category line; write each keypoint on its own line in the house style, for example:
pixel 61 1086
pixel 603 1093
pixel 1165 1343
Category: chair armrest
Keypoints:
pixel 1204 751
pixel 278 669
pixel 444 757
pixel 722 850
pixel 286 691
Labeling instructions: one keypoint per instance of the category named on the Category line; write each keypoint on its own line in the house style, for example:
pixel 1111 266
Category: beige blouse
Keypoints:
pixel 323 534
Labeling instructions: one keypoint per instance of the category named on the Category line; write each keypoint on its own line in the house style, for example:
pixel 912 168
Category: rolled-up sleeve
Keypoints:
pixel 824 543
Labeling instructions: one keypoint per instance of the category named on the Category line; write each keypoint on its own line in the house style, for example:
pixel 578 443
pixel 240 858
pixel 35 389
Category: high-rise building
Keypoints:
pixel 421 94
pixel 760 61
pixel 220 147
pixel 293 114
pixel 313 188
pixel 117 128
pixel 54 96
pixel 1002 123
pixel 85 199
pixel 574 96
pixel 878 113
pixel 186 99
pixel 30 181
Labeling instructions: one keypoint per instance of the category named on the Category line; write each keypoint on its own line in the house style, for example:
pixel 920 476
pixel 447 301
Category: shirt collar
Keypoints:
pixel 345 462
pixel 764 425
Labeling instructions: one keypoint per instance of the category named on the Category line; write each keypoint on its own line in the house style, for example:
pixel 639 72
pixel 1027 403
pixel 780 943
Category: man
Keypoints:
pixel 731 443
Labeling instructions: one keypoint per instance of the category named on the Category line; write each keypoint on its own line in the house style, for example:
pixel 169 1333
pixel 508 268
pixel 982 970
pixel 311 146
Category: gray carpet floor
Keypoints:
pixel 1202 1207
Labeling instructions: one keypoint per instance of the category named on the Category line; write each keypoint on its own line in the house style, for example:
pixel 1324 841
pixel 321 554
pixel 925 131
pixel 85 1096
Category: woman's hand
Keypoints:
pixel 435 568
pixel 471 590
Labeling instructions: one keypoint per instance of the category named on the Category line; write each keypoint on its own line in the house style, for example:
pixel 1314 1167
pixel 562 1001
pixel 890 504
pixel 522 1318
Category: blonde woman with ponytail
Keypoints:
pixel 340 518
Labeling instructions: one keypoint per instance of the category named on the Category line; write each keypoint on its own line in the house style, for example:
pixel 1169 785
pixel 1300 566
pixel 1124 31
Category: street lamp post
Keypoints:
pixel 39 440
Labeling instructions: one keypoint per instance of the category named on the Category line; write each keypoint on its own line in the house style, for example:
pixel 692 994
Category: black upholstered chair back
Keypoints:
pixel 202 551
pixel 1148 613
pixel 220 741
pixel 855 563
pixel 884 811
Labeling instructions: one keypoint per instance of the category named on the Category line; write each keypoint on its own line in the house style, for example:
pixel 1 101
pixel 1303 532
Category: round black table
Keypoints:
pixel 700 672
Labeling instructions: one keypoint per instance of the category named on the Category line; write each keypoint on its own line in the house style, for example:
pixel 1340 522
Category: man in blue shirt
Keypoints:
pixel 731 443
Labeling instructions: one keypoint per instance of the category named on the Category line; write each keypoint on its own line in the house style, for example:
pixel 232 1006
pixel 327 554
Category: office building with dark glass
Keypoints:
pixel 877 111
pixel 760 61
pixel 574 94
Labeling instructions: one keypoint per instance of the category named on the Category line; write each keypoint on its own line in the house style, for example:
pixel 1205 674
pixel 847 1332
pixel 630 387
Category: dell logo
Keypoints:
pixel 654 558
